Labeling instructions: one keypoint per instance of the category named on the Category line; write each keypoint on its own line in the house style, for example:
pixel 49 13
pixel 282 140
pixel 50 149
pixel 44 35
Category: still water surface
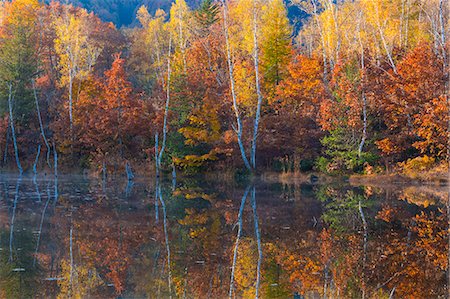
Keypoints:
pixel 81 238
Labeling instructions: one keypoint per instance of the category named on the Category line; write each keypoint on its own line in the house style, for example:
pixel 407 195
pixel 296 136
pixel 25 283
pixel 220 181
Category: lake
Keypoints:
pixel 199 238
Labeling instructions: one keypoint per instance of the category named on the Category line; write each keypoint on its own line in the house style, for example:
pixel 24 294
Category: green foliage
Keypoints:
pixel 18 63
pixel 207 14
pixel 276 40
pixel 341 153
pixel 341 208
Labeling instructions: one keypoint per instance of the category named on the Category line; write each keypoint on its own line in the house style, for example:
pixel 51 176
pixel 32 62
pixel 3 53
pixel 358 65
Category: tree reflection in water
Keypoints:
pixel 219 240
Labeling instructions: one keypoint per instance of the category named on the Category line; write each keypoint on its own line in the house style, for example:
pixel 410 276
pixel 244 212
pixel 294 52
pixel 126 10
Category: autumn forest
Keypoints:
pixel 359 87
pixel 225 149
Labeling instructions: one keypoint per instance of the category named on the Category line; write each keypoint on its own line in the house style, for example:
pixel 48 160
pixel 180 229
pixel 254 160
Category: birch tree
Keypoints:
pixel 238 128
pixel 18 64
pixel 179 27
pixel 159 152
pixel 257 84
pixel 150 43
pixel 13 131
pixel 76 51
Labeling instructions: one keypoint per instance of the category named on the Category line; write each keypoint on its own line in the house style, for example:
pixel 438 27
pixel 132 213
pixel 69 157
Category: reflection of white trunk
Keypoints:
pixel 40 228
pixel 156 199
pixel 55 162
pixel 237 129
pixel 174 177
pixel 258 241
pixel 41 126
pixel 129 188
pixel 257 85
pixel 71 260
pixel 236 245
pixel 448 235
pixel 37 188
pixel 166 236
pixel 363 218
pixel 13 132
pixel 13 218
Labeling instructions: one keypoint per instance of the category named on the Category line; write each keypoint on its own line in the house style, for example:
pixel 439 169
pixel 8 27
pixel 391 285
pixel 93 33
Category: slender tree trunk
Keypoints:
pixel 363 95
pixel 365 228
pixel 174 177
pixel 166 236
pixel 41 126
pixel 71 260
pixel 13 217
pixel 257 84
pixel 159 154
pixel 129 171
pixel 157 199
pixel 258 242
pixel 181 39
pixel 238 238
pixel 364 133
pixel 237 129
pixel 71 102
pixel 55 169
pixel 322 38
pixel 5 154
pixel 36 160
pixel 40 230
pixel 13 132
pixel 383 40
pixel 446 60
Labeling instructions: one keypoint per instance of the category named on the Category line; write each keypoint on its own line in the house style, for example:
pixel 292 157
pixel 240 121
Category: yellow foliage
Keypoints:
pixel 76 50
pixel 414 166
pixel 84 280
pixel 195 160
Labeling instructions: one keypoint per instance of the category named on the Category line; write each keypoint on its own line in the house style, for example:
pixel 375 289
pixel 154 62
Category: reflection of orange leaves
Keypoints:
pixel 229 137
pixel 325 245
pixel 116 280
pixel 229 217
pixel 432 232
pixel 387 213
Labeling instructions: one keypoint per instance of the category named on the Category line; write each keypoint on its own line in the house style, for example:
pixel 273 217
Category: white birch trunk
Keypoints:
pixel 13 132
pixel 159 154
pixel 257 84
pixel 36 160
pixel 41 126
pixel 363 95
pixel 237 129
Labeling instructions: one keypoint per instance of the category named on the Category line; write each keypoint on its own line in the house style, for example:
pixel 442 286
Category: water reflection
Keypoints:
pixel 77 237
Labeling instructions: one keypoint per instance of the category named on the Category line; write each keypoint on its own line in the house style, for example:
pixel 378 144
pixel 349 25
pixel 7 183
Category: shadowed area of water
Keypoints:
pixel 83 238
